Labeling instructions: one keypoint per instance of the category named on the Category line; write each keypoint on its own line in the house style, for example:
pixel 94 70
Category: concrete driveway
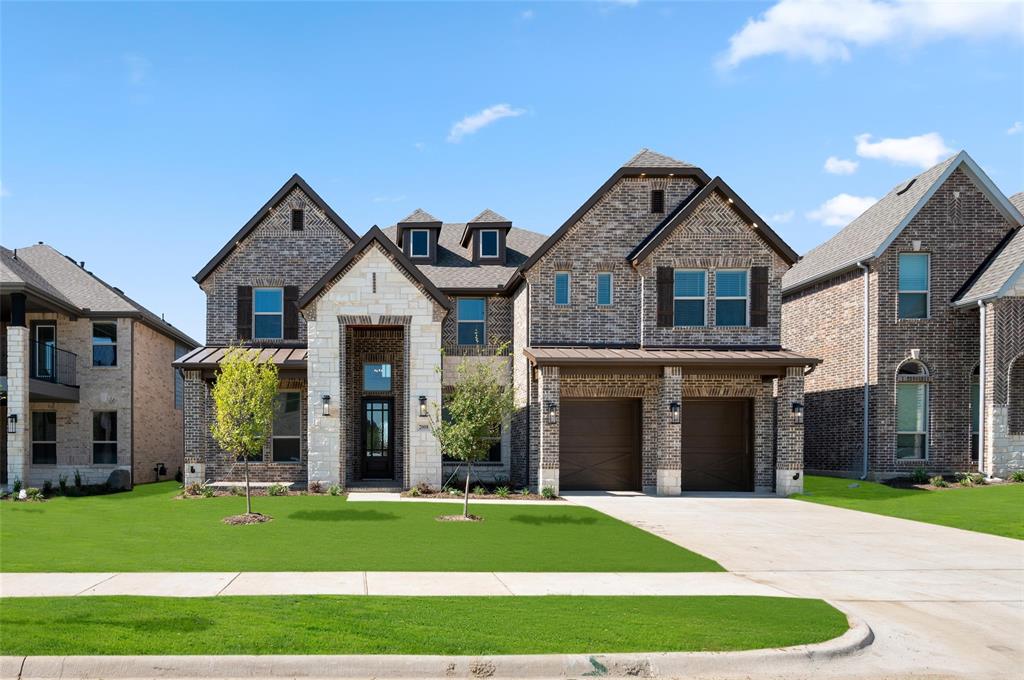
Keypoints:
pixel 942 602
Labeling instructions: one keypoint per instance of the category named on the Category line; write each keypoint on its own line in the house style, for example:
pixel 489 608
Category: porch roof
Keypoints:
pixel 752 358
pixel 290 357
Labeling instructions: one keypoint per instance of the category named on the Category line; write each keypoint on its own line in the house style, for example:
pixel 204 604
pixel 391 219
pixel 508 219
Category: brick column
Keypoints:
pixel 790 434
pixel 17 404
pixel 197 427
pixel 550 398
pixel 670 441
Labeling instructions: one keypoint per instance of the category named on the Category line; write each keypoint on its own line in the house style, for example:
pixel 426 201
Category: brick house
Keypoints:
pixel 893 304
pixel 641 340
pixel 86 379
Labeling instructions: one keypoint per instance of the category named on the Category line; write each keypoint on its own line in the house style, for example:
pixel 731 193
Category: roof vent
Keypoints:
pixel 903 189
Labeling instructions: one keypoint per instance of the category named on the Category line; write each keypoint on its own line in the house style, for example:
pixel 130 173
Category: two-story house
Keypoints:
pixel 641 339
pixel 895 304
pixel 86 382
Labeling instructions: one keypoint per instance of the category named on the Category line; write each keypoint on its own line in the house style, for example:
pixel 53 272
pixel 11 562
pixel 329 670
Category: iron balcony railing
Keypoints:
pixel 55 365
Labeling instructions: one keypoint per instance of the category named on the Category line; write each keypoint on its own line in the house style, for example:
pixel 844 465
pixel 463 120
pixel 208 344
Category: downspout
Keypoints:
pixel 642 305
pixel 867 369
pixel 982 322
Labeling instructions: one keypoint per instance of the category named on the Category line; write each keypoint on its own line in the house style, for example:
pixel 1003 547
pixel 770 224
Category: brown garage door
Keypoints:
pixel 599 442
pixel 717 455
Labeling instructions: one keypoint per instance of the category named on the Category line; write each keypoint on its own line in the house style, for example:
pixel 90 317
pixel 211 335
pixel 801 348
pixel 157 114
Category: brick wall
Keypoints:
pixel 155 420
pixel 374 345
pixel 497 328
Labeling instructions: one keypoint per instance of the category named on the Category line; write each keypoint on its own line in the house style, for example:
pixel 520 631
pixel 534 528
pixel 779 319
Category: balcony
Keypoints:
pixel 53 373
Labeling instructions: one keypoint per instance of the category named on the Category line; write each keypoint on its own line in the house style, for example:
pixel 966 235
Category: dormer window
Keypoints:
pixel 488 243
pixel 420 243
pixel 298 219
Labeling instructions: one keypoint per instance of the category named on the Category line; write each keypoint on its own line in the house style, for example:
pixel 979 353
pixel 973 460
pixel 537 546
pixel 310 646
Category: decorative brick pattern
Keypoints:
pixel 497 328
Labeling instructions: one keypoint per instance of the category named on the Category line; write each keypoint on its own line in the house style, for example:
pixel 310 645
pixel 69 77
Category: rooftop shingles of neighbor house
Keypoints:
pixel 646 158
pixel 999 271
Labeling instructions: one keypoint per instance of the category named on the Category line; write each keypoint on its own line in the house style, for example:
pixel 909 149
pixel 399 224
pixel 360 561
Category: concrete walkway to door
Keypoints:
pixel 942 602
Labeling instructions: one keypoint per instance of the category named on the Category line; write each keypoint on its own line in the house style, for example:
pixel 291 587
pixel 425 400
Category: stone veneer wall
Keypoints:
pixel 156 422
pixel 1004 389
pixel 519 463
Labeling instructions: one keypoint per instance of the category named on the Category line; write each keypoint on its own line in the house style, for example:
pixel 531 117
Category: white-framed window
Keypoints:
pixel 284 440
pixel 104 437
pixel 913 300
pixel 605 289
pixel 689 297
pixel 104 343
pixel 267 313
pixel 471 316
pixel 732 296
pixel 488 243
pixel 562 280
pixel 912 411
pixel 419 243
pixel 44 437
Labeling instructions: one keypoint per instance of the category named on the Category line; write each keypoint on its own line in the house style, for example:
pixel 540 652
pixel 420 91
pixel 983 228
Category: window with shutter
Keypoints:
pixel 243 324
pixel 291 312
pixel 664 290
pixel 759 296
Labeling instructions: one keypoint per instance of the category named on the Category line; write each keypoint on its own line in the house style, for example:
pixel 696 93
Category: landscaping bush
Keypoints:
pixel 16 486
pixel 479 490
pixel 34 494
pixel 939 481
pixel 78 479
pixel 415 491
pixel 971 479
pixel 47 488
pixel 237 491
pixel 452 490
pixel 525 491
pixel 502 492
pixel 334 490
pixel 548 492
pixel 1017 476
pixel 194 489
pixel 277 490
pixel 206 491
pixel 919 476
pixel 315 487
pixel 62 482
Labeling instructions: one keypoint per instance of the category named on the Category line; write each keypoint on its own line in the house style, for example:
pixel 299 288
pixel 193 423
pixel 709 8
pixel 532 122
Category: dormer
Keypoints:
pixel 417 237
pixel 485 236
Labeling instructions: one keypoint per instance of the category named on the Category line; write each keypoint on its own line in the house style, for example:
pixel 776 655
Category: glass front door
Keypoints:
pixel 378 459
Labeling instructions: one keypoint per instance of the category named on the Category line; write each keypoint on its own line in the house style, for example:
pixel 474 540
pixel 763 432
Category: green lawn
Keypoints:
pixel 997 509
pixel 409 625
pixel 148 530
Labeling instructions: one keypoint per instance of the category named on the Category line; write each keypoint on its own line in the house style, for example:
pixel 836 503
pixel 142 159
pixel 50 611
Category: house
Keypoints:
pixel 85 376
pixel 641 340
pixel 894 304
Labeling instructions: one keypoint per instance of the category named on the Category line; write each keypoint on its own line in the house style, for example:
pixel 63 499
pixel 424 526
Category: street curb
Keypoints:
pixel 687 664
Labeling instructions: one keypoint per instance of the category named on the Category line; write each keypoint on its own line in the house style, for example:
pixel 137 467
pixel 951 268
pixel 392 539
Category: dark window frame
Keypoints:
pixel 50 444
pixel 112 345
pixel 298 219
pixel 481 322
pixel 256 314
pixel 497 244
pixel 99 445
pixel 657 201
pixel 296 438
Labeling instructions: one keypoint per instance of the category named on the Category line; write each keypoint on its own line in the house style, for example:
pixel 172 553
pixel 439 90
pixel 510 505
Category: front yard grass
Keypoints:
pixel 409 625
pixel 147 529
pixel 996 509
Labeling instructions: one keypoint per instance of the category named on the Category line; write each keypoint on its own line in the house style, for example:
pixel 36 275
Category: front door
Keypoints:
pixel 378 445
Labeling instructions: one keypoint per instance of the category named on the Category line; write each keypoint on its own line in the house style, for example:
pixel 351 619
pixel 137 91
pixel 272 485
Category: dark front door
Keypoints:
pixel 717 455
pixel 599 444
pixel 378 442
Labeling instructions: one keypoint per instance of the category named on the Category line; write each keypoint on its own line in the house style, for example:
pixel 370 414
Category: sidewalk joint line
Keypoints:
pixel 366 585
pixel 503 584
pixel 94 585
pixel 237 574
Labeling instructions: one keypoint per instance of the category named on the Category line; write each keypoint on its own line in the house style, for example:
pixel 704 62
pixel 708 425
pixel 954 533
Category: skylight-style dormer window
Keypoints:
pixel 420 244
pixel 488 243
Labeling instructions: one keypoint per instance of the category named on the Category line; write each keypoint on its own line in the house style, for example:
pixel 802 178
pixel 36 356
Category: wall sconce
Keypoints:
pixel 12 423
pixel 326 404
pixel 798 411
pixel 673 411
pixel 552 413
pixel 423 406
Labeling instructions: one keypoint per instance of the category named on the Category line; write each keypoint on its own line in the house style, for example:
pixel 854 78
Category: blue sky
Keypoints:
pixel 140 137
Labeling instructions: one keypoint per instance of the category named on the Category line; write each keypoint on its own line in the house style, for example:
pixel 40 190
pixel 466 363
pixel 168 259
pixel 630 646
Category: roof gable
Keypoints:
pixel 1000 272
pixel 294 182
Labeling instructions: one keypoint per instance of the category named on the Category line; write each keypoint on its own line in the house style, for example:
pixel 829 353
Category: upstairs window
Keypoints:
pixel 562 288
pixel 104 343
pixel 267 313
pixel 604 289
pixel 471 314
pixel 913 286
pixel 284 441
pixel 488 243
pixel 420 243
pixel 298 219
pixel 731 295
pixel 657 201
pixel 689 297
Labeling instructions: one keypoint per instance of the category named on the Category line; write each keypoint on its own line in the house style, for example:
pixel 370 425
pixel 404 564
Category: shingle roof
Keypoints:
pixel 999 271
pixel 14 270
pixel 488 216
pixel 419 215
pixel 645 158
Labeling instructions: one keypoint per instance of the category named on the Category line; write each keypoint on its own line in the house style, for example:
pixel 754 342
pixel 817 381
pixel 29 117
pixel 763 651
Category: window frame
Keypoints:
pixel 256 314
pixel 297 437
pixel 391 377
pixel 927 420
pixel 974 408
pixel 112 345
pixel 927 282
pixel 179 378
pixel 459 321
pixel 497 244
pixel 298 219
pixel 46 442
pixel 38 354
pixel 745 297
pixel 661 198
pixel 412 243
pixel 568 288
pixel 611 289
pixel 702 298
pixel 104 441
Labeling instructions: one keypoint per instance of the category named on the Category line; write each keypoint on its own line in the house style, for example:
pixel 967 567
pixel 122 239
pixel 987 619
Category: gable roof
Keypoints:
pixel 419 215
pixel 868 236
pixel 645 158
pixel 488 219
pixel 374 235
pixel 686 208
pixel 17 276
pixel 294 182
pixel 1001 270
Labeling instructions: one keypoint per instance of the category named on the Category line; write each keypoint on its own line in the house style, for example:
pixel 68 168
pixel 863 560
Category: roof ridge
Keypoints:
pixel 645 158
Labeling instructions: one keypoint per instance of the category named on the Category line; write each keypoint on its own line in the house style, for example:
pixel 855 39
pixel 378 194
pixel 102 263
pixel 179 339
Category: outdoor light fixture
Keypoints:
pixel 673 410
pixel 327 404
pixel 798 410
pixel 552 413
pixel 423 406
pixel 12 423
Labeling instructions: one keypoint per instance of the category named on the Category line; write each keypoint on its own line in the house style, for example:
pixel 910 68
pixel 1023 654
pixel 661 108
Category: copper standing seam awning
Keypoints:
pixel 208 358
pixel 734 358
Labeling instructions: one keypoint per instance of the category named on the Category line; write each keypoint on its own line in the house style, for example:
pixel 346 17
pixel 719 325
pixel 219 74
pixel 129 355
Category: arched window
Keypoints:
pixel 975 410
pixel 912 411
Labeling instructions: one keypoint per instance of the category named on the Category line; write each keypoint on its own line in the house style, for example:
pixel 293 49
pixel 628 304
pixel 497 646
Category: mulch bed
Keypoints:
pixel 247 518
pixel 478 496
pixel 459 518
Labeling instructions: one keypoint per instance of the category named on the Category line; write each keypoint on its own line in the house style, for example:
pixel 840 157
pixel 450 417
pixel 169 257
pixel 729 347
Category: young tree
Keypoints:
pixel 243 396
pixel 473 414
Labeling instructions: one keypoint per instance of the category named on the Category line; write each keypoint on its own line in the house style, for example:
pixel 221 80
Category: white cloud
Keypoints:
pixel 781 217
pixel 1016 128
pixel 527 14
pixel 477 121
pixel 839 210
pixel 923 151
pixel 137 67
pixel 823 31
pixel 420 146
pixel 840 166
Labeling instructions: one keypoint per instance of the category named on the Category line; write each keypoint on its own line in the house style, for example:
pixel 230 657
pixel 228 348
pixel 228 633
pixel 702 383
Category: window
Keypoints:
pixel 420 243
pixel 298 219
pixel 45 350
pixel 284 440
pixel 657 201
pixel 493 453
pixel 913 286
pixel 376 377
pixel 731 297
pixel 104 343
pixel 689 293
pixel 912 411
pixel 975 409
pixel 179 378
pixel 471 313
pixel 268 313
pixel 44 437
pixel 488 243
pixel 104 437
pixel 561 288
pixel 604 288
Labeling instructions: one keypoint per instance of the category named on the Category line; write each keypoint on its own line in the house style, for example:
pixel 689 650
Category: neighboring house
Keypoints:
pixel 892 305
pixel 87 381
pixel 641 339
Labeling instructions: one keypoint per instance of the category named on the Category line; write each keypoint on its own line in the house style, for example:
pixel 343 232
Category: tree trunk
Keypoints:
pixel 248 499
pixel 465 502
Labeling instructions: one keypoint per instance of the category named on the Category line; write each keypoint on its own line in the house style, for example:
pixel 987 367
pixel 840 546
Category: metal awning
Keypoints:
pixel 205 358
pixel 577 356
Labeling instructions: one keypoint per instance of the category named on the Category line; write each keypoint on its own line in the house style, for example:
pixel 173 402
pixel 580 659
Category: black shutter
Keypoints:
pixel 244 326
pixel 759 296
pixel 298 219
pixel 291 313
pixel 657 201
pixel 664 296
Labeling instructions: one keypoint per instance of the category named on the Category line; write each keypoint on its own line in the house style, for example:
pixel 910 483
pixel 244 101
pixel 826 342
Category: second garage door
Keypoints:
pixel 599 443
pixel 717 455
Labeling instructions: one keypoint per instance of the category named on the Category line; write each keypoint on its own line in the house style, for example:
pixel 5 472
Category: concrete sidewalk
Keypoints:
pixel 209 584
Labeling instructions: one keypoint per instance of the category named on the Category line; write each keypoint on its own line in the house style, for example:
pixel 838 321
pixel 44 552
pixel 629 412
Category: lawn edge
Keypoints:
pixel 858 636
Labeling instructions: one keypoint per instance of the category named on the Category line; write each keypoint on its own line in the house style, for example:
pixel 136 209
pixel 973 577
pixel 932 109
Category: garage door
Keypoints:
pixel 599 442
pixel 717 455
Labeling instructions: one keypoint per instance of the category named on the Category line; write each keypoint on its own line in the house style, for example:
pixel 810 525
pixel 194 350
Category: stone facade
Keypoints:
pixel 1004 385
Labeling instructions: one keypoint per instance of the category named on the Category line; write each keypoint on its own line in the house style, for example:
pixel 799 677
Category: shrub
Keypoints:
pixel 415 491
pixel 424 489
pixel 1017 476
pixel 194 489
pixel 502 492
pixel 979 478
pixel 16 487
pixel 971 479
pixel 78 479
pixel 47 488
pixel 919 476
pixel 452 490
pixel 207 491
pixel 62 482
pixel 277 490
pixel 237 491
pixel 334 490
pixel 939 481
pixel 479 490
pixel 525 491
pixel 33 493
pixel 315 487
pixel 548 492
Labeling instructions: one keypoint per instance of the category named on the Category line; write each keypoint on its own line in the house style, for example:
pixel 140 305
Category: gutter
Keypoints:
pixel 867 368
pixel 982 323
